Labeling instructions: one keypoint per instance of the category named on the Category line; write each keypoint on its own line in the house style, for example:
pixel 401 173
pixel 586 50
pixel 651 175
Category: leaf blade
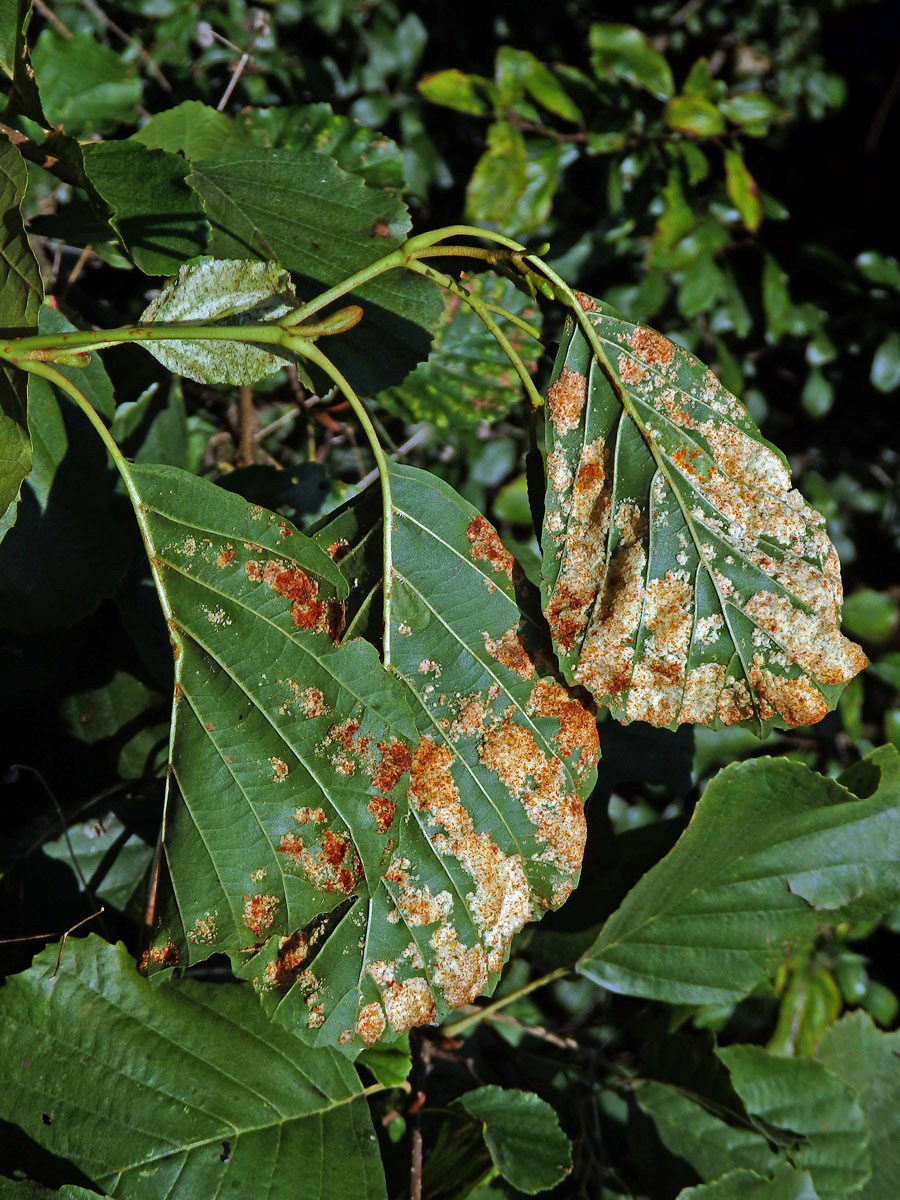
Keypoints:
pixel 683 579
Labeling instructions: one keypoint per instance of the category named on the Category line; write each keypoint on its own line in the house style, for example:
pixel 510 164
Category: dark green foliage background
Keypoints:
pixel 796 306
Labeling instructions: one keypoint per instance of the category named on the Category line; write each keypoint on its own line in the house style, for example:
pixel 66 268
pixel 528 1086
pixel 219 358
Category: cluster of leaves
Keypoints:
pixel 380 761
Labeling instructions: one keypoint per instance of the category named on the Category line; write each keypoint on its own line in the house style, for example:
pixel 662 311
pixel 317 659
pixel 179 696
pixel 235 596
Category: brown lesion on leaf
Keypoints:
pixel 565 400
pixel 510 650
pixel 651 347
pixel 280 770
pixel 795 700
pixel 657 681
pixel 487 547
pixel 371 1023
pixel 395 761
pixel 339 550
pixel 308 610
pixel 332 865
pixel 225 557
pixel 384 811
pixel 577 724
pixel 607 654
pixel 259 913
pixel 293 952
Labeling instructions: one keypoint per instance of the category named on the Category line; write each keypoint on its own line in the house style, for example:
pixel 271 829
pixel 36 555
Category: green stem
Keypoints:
pixel 485 1014
pixel 481 309
pixel 314 354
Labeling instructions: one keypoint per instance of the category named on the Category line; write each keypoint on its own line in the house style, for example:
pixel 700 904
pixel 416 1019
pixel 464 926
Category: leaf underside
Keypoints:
pixel 683 579
pixel 363 843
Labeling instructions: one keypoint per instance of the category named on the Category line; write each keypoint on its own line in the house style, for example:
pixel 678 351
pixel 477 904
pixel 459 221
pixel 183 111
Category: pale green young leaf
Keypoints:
pixel 193 1089
pixel 231 292
pixel 499 179
pixel 361 842
pixel 885 370
pixel 193 129
pixel 774 853
pixel 683 580
pixel 742 190
pixel 454 89
pixel 867 1059
pixel 694 115
pixel 20 299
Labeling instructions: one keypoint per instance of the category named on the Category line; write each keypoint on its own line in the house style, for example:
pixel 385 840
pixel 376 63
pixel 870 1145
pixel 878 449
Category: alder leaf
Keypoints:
pixel 185 1091
pixel 683 578
pixel 233 292
pixel 363 843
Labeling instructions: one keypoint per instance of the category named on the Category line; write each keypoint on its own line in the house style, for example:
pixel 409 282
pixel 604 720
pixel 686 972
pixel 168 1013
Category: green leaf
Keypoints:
pixel 871 615
pixel 72 538
pixel 683 579
pixel 456 90
pixel 623 52
pixel 112 860
pixel 194 1089
pixel 229 291
pixel 885 372
pixel 468 378
pixel 522 1134
pixel 26 1190
pixel 375 158
pixel 324 224
pixel 879 268
pixel 694 115
pixel 390 1065
pixel 520 70
pixel 754 111
pixel 786 1184
pixel 500 176
pixel 817 399
pixel 157 215
pixel 85 87
pixel 15 64
pixel 363 843
pixel 801 1095
pixel 774 854
pixel 20 298
pixel 866 1059
pixel 742 190
pixel 194 130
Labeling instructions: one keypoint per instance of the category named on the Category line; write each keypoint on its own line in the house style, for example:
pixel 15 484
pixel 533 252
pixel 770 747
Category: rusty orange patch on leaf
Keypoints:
pixel 487 547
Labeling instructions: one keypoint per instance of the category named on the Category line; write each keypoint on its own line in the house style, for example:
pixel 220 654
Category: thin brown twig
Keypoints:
pixel 249 424
pixel 142 56
pixel 50 16
pixel 420 1048
pixel 37 154
pixel 36 937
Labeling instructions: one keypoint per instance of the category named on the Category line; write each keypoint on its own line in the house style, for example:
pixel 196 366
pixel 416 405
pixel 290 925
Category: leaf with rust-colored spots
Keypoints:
pixel 363 843
pixel 773 858
pixel 195 1093
pixel 489 828
pixel 684 580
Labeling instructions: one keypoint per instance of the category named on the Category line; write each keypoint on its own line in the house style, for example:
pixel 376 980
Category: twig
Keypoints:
pixel 411 442
pixel 37 937
pixel 37 154
pixel 249 425
pixel 49 15
pixel 233 81
pixel 421 1065
pixel 888 100
pixel 143 57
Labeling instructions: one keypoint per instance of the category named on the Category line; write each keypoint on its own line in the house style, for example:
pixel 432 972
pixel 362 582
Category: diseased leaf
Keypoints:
pixel 362 842
pixel 869 1061
pixel 684 580
pixel 468 378
pixel 323 224
pixel 773 855
pixel 20 298
pixel 157 215
pixel 233 292
pixel 193 1090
